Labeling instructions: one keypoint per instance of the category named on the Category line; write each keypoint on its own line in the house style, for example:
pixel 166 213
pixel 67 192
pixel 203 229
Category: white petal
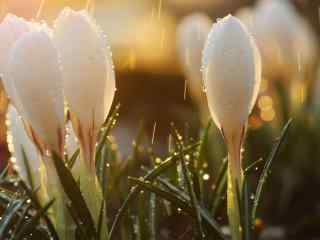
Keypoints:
pixel 88 76
pixel 33 67
pixel 232 73
pixel 19 141
pixel 71 140
pixel 11 29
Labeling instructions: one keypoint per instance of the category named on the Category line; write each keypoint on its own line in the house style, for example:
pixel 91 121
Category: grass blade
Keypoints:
pixel 73 158
pixel 152 215
pixel 72 190
pixel 9 215
pixel 101 216
pixel 165 165
pixel 180 203
pixel 245 211
pixel 32 224
pixel 194 200
pixel 37 205
pixel 27 167
pixel 264 175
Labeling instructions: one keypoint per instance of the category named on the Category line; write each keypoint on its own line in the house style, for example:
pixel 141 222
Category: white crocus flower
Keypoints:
pixel 35 73
pixel 89 87
pixel 19 142
pixel 88 76
pixel 285 39
pixel 232 75
pixel 192 34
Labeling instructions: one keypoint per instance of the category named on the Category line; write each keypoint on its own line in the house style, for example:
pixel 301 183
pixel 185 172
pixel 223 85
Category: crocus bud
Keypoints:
pixel 88 75
pixel 35 73
pixel 232 74
pixel 192 34
pixel 19 142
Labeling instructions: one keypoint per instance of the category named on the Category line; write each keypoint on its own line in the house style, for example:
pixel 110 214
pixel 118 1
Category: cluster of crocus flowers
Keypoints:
pixel 232 75
pixel 42 67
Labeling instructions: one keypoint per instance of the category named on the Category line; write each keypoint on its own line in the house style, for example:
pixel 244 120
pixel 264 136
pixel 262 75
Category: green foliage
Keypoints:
pixel 139 195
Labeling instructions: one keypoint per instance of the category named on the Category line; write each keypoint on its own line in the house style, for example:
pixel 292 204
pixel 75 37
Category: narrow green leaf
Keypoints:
pixel 204 144
pixel 36 204
pixel 107 126
pixel 274 153
pixel 245 210
pixel 252 166
pixel 142 217
pixel 27 167
pixel 72 190
pixel 101 216
pixel 9 215
pixel 220 187
pixel 4 173
pixel 20 222
pixel 165 165
pixel 184 197
pixel 152 216
pixel 180 203
pixel 193 197
pixel 73 158
pixel 30 226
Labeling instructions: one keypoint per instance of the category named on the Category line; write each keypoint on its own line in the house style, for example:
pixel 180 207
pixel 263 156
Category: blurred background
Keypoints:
pixel 158 83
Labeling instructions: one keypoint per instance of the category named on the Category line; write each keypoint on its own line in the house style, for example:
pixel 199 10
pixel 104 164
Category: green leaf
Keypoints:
pixel 31 225
pixel 4 173
pixel 165 165
pixel 204 144
pixel 252 166
pixel 100 222
pixel 36 204
pixel 142 219
pixel 220 187
pixel 194 200
pixel 152 216
pixel 9 214
pixel 72 190
pixel 264 175
pixel 73 158
pixel 21 221
pixel 105 130
pixel 183 204
pixel 27 166
pixel 245 210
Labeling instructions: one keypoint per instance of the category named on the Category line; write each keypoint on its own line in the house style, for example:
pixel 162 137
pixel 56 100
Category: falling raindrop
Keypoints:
pixel 159 9
pixel 185 90
pixel 153 132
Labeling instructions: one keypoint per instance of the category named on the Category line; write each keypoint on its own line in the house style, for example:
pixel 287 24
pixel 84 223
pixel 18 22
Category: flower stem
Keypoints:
pixel 91 190
pixel 235 181
pixel 59 213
